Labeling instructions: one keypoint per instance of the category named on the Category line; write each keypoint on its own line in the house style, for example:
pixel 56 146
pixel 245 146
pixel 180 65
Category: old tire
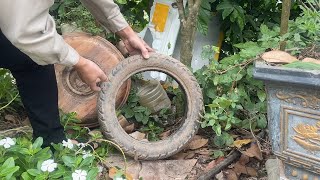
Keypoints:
pixel 141 149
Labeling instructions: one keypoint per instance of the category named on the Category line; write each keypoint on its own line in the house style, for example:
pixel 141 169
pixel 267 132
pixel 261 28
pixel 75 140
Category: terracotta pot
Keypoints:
pixel 74 95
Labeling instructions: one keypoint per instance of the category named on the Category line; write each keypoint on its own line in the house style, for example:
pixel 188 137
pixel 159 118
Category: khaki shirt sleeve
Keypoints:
pixel 28 26
pixel 107 13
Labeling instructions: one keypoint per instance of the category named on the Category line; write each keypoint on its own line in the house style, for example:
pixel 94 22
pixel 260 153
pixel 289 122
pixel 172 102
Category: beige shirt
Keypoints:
pixel 28 26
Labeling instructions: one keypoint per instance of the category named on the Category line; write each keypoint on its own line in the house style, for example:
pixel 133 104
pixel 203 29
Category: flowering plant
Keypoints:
pixel 22 159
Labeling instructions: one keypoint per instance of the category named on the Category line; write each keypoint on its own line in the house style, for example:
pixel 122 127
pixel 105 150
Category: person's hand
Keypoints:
pixel 90 73
pixel 133 43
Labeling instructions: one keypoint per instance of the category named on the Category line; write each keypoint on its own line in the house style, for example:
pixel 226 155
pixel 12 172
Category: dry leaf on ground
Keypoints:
pixel 317 61
pixel 242 142
pixel 113 171
pixel 230 175
pixel 220 176
pixel 165 134
pixel 244 159
pixel 123 121
pixel 129 129
pixel 254 151
pixel 242 169
pixel 214 163
pixel 138 135
pixel 277 56
pixel 197 143
pixel 11 118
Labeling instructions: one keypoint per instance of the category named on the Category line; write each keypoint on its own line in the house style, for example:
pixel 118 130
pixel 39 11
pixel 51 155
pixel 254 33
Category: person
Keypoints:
pixel 30 46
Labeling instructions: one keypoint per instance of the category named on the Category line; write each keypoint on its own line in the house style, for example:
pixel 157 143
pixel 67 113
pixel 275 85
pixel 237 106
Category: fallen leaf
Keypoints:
pixel 129 129
pixel 317 61
pixel 220 176
pixel 214 163
pixel 204 151
pixel 165 134
pixel 240 143
pixel 26 122
pixel 279 57
pixel 254 151
pixel 230 175
pixel 197 143
pixel 241 169
pixel 244 159
pixel 138 135
pixel 190 155
pixel 123 121
pixel 179 156
pixel 11 118
pixel 113 172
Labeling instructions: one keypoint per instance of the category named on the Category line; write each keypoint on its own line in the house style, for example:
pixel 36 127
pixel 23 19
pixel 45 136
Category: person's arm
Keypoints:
pixel 108 14
pixel 28 26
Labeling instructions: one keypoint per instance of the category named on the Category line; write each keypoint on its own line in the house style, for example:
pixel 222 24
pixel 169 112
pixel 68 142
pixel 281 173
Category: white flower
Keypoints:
pixel 278 2
pixel 81 145
pixel 48 165
pixel 7 142
pixel 79 175
pixel 119 178
pixel 67 144
pixel 100 169
pixel 86 154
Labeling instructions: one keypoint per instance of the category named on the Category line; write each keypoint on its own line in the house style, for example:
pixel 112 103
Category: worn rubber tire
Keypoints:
pixel 162 148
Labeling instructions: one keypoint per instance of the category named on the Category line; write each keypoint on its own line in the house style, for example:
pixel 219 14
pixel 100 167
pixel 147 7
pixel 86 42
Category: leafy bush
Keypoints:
pixel 21 158
pixel 233 98
pixel 9 96
pixel 69 11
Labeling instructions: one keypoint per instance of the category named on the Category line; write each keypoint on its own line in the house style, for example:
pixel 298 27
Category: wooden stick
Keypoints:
pixel 209 175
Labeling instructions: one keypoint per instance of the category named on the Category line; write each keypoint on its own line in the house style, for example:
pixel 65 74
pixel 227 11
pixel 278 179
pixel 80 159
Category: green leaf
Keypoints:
pixel 34 172
pixel 217 153
pixel 25 176
pixel 8 163
pixel 87 161
pixel 303 65
pixel 92 174
pixel 139 117
pixel 212 122
pixel 217 129
pixel 228 139
pixel 262 121
pixel 69 161
pixel 129 113
pixel 37 143
pixel 7 172
pixel 219 141
pixel 261 95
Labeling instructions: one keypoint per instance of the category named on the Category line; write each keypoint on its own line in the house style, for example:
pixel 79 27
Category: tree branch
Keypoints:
pixel 181 11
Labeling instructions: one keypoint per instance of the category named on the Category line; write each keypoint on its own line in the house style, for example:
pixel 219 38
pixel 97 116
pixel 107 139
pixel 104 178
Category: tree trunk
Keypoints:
pixel 285 14
pixel 188 30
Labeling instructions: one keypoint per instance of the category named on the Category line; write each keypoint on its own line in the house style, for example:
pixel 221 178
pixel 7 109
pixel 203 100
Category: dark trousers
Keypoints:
pixel 38 90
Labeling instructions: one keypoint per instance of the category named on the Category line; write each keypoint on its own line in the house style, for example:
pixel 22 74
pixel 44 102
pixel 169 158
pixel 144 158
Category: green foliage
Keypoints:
pixel 24 159
pixel 132 109
pixel 69 11
pixel 303 65
pixel 233 98
pixel 205 15
pixel 242 19
pixel 70 122
pixel 9 96
pixel 153 131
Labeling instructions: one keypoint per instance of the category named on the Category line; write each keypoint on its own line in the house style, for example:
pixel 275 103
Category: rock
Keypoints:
pixel 133 167
pixel 317 61
pixel 273 169
pixel 279 57
pixel 166 169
